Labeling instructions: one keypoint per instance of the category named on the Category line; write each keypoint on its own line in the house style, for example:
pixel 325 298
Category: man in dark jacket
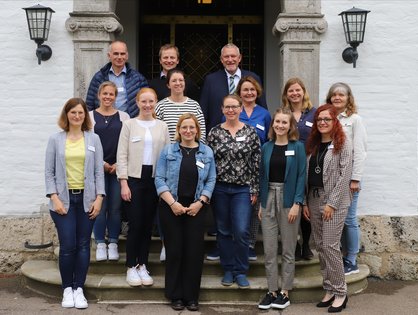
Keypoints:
pixel 169 59
pixel 219 84
pixel 119 71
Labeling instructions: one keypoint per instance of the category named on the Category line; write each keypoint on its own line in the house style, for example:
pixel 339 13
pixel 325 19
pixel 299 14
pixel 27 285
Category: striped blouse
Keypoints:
pixel 169 112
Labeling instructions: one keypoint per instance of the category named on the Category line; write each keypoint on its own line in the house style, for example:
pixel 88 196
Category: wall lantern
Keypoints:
pixel 354 23
pixel 39 20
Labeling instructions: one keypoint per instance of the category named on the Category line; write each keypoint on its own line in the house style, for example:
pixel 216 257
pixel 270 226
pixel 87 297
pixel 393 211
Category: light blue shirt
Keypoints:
pixel 119 80
pixel 236 75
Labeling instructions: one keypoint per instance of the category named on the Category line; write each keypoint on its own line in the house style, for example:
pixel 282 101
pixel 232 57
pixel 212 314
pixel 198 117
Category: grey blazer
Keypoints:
pixel 337 175
pixel 55 171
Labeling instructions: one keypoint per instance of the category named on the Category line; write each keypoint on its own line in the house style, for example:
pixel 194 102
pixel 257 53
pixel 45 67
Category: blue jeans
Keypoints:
pixel 109 216
pixel 351 232
pixel 232 207
pixel 74 232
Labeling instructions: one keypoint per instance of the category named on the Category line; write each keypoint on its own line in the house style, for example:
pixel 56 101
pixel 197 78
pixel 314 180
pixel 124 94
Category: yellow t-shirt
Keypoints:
pixel 74 163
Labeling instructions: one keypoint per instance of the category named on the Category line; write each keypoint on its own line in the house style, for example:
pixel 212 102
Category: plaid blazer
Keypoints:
pixel 337 175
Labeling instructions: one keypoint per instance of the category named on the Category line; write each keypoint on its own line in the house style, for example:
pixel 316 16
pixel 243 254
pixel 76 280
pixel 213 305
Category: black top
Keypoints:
pixel 191 89
pixel 278 164
pixel 188 173
pixel 316 166
pixel 108 129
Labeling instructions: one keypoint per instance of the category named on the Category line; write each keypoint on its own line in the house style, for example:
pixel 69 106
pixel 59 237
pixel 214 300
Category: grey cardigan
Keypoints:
pixel 55 171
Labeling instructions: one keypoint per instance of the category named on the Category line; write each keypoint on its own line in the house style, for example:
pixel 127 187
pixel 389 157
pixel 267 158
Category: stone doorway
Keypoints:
pixel 200 32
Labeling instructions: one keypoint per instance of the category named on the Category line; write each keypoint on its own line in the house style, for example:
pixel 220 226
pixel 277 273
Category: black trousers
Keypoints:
pixel 140 211
pixel 184 245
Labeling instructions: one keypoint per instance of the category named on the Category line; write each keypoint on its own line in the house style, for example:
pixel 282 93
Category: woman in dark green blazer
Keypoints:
pixel 282 187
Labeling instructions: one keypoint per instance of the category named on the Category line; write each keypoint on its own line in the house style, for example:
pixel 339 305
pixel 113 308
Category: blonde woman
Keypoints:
pixel 140 143
pixel 107 123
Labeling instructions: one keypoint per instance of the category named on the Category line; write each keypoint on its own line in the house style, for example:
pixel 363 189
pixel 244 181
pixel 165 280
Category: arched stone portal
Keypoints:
pixel 298 27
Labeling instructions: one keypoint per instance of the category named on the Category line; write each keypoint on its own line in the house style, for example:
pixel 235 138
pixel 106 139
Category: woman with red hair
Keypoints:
pixel 329 171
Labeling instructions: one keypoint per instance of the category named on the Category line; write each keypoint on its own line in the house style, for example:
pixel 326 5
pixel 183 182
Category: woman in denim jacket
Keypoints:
pixel 185 178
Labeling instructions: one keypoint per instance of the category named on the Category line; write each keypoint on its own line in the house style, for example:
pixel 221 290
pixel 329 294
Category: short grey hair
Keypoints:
pixel 230 45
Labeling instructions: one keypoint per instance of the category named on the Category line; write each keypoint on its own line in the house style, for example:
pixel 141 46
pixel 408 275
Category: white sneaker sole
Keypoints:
pixel 279 306
pixel 352 272
pixel 134 283
pixel 264 307
pixel 147 282
pixel 67 305
pixel 83 306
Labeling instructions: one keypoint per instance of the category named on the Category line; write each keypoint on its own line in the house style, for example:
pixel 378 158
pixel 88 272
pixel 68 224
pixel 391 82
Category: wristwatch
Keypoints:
pixel 299 203
pixel 203 202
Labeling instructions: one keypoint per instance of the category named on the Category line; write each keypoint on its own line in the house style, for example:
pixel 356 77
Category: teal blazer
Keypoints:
pixel 294 180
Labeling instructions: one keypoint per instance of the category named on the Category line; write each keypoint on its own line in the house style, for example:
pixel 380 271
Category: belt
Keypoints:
pixel 76 191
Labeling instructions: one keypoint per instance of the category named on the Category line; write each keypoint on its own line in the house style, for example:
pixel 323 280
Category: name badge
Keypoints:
pixel 260 127
pixel 308 123
pixel 331 146
pixel 91 148
pixel 121 89
pixel 240 138
pixel 289 152
pixel 136 139
pixel 200 164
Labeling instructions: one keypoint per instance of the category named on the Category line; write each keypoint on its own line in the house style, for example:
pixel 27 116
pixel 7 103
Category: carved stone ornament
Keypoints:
pixel 106 24
pixel 300 23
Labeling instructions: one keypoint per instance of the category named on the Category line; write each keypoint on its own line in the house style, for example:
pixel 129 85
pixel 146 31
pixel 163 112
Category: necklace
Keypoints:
pixel 187 151
pixel 107 119
pixel 319 157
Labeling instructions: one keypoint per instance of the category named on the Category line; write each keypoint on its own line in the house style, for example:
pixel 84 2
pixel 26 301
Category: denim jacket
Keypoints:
pixel 168 169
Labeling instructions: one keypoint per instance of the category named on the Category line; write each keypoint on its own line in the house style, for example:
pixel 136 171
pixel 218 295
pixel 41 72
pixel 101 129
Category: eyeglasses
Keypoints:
pixel 324 120
pixel 229 107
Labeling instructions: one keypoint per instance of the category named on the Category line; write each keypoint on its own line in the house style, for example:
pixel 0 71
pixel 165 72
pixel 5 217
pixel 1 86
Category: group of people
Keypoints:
pixel 160 152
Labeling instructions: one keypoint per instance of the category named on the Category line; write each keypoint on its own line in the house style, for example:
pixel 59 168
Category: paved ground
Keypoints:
pixel 381 297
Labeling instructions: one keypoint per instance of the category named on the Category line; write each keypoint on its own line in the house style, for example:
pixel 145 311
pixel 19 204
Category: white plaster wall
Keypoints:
pixel 385 88
pixel 33 97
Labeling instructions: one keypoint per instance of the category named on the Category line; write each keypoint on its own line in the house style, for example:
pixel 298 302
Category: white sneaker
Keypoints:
pixel 144 274
pixel 101 252
pixel 112 251
pixel 132 277
pixel 79 300
pixel 67 298
pixel 162 255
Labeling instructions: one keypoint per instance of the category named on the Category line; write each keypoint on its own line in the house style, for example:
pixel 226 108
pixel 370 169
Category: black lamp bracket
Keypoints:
pixel 350 55
pixel 43 52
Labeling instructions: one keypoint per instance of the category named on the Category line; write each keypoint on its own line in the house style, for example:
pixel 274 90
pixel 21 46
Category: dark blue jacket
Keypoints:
pixel 214 89
pixel 134 81
pixel 295 174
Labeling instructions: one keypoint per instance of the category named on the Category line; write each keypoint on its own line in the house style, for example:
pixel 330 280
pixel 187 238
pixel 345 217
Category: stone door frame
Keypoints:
pixel 298 27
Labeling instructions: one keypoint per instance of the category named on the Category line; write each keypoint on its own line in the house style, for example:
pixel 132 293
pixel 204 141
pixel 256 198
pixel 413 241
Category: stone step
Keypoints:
pixel 156 267
pixel 156 244
pixel 42 276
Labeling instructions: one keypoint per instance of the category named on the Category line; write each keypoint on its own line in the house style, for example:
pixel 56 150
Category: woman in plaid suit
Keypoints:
pixel 329 172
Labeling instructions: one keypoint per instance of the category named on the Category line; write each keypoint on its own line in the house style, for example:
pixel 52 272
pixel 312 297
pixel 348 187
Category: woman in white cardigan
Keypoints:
pixel 140 143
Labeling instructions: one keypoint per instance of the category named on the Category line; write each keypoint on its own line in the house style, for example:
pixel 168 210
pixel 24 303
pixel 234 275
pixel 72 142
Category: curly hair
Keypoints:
pixel 337 133
pixel 306 103
pixel 351 107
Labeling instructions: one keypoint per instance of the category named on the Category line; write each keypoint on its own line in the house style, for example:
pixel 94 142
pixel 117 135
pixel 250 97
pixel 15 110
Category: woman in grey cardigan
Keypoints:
pixel 75 185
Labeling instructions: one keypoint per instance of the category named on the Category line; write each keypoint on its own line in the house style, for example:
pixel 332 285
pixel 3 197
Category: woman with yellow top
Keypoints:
pixel 75 185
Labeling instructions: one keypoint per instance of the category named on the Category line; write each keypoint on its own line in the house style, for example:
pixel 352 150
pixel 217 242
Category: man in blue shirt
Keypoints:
pixel 119 71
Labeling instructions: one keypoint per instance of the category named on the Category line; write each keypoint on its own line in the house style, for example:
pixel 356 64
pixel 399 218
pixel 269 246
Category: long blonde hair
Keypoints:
pixel 306 102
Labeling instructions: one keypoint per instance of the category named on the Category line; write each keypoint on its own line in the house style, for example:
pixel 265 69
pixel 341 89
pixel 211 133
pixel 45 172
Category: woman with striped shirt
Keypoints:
pixel 171 108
